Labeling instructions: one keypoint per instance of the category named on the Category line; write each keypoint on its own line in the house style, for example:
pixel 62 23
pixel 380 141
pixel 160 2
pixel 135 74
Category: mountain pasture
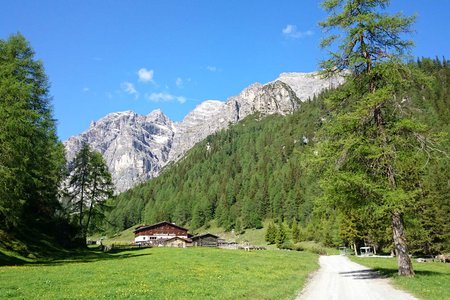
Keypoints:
pixel 163 273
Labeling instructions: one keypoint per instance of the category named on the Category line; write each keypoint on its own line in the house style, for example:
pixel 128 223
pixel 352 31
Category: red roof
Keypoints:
pixel 144 227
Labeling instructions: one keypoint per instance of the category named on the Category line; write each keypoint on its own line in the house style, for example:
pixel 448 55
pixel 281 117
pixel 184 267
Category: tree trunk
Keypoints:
pixel 82 200
pixel 91 206
pixel 88 220
pixel 403 259
pixel 405 267
pixel 354 248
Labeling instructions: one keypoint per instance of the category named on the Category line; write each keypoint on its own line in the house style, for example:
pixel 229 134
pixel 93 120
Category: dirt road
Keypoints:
pixel 340 278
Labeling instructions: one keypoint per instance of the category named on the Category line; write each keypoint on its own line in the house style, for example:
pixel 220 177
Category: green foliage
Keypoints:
pixel 281 236
pixel 295 232
pixel 271 233
pixel 364 35
pixel 89 186
pixel 31 157
pixel 262 167
pixel 250 173
pixel 372 148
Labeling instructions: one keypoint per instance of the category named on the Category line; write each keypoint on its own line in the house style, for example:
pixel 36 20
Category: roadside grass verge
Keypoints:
pixel 163 273
pixel 432 280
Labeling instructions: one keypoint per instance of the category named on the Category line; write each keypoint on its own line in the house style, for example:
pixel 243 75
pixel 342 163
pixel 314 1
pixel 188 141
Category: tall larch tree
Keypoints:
pixel 89 186
pixel 31 157
pixel 369 143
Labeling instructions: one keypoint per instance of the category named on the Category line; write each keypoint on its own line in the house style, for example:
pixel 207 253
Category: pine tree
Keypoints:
pixel 368 140
pixel 101 188
pixel 271 234
pixel 281 236
pixel 89 186
pixel 295 232
pixel 31 158
pixel 365 36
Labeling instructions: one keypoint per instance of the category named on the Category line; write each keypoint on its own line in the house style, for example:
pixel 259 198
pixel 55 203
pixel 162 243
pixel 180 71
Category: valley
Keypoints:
pixel 326 184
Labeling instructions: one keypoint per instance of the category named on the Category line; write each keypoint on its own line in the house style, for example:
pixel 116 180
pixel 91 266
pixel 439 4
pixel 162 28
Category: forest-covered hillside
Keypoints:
pixel 263 168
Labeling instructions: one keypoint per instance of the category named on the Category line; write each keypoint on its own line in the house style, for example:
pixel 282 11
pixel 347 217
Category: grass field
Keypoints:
pixel 163 273
pixel 432 280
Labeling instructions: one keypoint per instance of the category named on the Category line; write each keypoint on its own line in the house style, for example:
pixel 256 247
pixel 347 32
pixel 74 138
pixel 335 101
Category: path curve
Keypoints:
pixel 339 278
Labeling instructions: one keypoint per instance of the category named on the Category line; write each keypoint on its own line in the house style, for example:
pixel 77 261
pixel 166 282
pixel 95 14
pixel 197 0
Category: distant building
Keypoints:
pixel 206 240
pixel 158 233
pixel 178 242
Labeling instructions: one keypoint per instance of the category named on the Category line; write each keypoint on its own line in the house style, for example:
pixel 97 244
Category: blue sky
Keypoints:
pixel 106 56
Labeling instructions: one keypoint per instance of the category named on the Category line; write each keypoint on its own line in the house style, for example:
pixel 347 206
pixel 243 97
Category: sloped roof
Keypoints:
pixel 144 227
pixel 205 235
pixel 179 238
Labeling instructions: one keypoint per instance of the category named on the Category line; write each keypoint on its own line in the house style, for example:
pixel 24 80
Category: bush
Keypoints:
pixel 286 246
pixel 314 248
pixel 290 246
pixel 318 250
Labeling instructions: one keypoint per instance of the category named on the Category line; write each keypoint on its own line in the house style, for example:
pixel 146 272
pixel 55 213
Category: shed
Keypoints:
pixel 365 251
pixel 206 240
pixel 178 242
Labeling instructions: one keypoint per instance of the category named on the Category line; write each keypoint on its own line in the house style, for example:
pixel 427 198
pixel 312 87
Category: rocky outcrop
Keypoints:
pixel 136 147
pixel 306 85
pixel 211 116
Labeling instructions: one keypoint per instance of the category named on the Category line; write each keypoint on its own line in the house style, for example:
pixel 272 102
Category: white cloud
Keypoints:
pixel 145 75
pixel 291 31
pixel 166 97
pixel 85 89
pixel 179 82
pixel 129 88
pixel 213 69
pixel 181 99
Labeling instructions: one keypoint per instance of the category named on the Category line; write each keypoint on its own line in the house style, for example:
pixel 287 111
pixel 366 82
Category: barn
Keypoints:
pixel 158 233
pixel 206 240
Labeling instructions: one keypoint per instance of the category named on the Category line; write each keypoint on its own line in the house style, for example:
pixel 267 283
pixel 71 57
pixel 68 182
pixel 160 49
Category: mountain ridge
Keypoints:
pixel 136 147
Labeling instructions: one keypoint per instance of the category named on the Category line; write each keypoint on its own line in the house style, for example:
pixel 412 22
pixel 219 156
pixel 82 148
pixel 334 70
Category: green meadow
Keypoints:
pixel 432 280
pixel 162 273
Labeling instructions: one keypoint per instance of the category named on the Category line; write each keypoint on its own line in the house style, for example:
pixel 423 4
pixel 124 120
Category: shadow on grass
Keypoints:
pixel 76 256
pixel 6 260
pixel 382 273
pixel 388 272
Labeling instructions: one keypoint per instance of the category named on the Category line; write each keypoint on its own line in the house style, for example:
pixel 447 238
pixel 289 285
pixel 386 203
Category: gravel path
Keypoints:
pixel 340 278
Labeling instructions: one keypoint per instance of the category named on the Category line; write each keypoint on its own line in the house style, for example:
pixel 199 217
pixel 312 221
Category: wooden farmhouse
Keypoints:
pixel 206 240
pixel 159 233
pixel 171 235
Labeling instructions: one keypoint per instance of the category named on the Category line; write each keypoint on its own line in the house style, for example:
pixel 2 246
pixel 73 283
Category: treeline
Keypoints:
pixel 262 169
pixel 238 176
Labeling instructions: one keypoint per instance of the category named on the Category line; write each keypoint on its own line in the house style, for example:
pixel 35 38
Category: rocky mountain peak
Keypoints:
pixel 306 85
pixel 157 116
pixel 136 147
